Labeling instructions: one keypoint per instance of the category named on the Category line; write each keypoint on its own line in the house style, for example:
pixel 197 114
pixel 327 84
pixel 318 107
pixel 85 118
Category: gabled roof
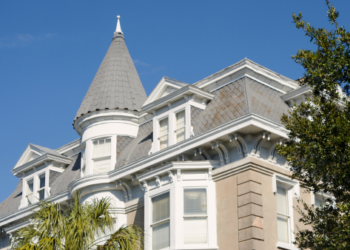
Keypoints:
pixel 34 151
pixel 116 84
pixel 165 86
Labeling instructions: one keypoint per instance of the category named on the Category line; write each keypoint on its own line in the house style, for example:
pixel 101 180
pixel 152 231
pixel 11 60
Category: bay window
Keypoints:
pixel 41 189
pixel 163 133
pixel 195 216
pixel 180 126
pixel 29 191
pixel 101 155
pixel 161 222
pixel 283 218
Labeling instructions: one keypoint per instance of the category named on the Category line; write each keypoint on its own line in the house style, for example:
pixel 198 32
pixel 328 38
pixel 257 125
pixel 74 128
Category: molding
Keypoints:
pixel 284 84
pixel 296 93
pixel 69 147
pixel 176 95
pixel 41 160
pixel 180 148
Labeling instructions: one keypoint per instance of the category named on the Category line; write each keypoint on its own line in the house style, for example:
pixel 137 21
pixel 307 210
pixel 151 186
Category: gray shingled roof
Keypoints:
pixel 60 184
pixel 116 84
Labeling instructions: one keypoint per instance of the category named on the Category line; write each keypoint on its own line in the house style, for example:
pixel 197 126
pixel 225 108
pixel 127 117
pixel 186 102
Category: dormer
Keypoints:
pixel 170 105
pixel 38 167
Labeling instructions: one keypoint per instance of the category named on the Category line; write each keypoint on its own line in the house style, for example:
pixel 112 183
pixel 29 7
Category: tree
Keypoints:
pixel 319 132
pixel 77 227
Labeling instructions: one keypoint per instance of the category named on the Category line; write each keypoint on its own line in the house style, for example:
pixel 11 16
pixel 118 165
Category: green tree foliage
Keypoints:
pixel 78 226
pixel 318 149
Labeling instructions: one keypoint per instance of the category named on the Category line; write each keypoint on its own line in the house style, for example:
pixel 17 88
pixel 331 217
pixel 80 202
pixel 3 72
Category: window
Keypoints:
pixel 161 222
pixel 163 133
pixel 319 201
pixel 180 126
pixel 41 189
pixel 29 192
pixel 102 155
pixel 283 218
pixel 195 216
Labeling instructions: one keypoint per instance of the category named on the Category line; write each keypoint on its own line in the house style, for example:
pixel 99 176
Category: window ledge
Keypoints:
pixel 281 245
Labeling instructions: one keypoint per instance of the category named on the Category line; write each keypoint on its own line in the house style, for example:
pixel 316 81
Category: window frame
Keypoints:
pixel 160 222
pixel 167 133
pixel 206 216
pixel 32 193
pixel 39 189
pixel 293 191
pixel 183 127
pixel 104 156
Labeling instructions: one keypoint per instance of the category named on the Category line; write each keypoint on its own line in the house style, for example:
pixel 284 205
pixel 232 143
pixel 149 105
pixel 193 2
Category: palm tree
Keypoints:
pixel 77 227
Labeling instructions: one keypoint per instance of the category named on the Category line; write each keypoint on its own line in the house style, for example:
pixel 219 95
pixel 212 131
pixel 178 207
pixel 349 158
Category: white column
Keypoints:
pixel 188 121
pixel 114 151
pixel 171 127
pixel 88 157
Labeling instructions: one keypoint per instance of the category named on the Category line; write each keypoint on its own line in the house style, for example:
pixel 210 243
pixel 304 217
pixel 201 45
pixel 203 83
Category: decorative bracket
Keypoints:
pixel 158 182
pixel 171 177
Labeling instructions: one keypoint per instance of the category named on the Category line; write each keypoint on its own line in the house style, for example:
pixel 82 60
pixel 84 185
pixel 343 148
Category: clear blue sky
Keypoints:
pixel 51 50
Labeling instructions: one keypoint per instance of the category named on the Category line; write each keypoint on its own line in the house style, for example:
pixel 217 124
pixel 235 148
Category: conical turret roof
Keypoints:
pixel 116 84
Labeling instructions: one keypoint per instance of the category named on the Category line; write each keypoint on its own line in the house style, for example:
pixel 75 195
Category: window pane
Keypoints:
pixel 282 227
pixel 42 181
pixel 180 119
pixel 101 146
pixel 318 202
pixel 107 147
pixel 42 194
pixel 163 142
pixel 161 236
pixel 163 127
pixel 102 166
pixel 195 230
pixel 161 209
pixel 30 187
pixel 282 203
pixel 195 202
pixel 180 135
pixel 30 199
pixel 95 149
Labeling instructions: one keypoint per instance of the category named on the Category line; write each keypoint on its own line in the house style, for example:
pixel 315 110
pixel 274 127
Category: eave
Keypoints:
pixel 41 160
pixel 176 95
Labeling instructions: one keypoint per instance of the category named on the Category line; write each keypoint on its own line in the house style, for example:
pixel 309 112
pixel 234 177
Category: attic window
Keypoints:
pixel 30 187
pixel 41 188
pixel 102 155
pixel 163 133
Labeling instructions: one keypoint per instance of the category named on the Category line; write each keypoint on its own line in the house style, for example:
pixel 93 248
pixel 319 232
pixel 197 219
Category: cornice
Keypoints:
pixel 41 160
pixel 174 96
pixel 175 150
pixel 296 93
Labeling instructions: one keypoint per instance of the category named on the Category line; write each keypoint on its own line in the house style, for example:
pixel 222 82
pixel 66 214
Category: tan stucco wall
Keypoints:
pixel 227 220
pixel 227 207
pixel 136 217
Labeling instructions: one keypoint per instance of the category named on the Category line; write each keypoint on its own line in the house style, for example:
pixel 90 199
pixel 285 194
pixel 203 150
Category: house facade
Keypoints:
pixel 195 165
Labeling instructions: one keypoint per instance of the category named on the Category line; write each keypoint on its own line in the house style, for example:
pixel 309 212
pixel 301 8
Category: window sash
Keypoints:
pixel 195 230
pixel 102 148
pixel 161 221
pixel 161 236
pixel 195 201
pixel 283 228
pixel 161 207
pixel 42 181
pixel 283 214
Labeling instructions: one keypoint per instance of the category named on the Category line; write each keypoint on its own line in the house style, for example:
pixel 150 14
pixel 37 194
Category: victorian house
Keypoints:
pixel 194 164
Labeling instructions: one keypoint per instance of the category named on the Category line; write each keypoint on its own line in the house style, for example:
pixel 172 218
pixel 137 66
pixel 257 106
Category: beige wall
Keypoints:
pixel 136 217
pixel 227 220
pixel 246 205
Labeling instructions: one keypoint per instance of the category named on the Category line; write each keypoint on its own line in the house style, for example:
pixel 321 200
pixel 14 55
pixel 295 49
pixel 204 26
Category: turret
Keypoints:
pixel 110 107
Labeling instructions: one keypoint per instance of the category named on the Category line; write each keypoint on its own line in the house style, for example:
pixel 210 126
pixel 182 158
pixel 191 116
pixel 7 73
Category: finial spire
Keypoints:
pixel 118 29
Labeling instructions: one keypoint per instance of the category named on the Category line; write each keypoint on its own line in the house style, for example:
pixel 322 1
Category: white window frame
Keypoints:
pixel 183 127
pixel 38 189
pixel 167 134
pixel 104 157
pixel 196 216
pixel 26 188
pixel 293 191
pixel 153 224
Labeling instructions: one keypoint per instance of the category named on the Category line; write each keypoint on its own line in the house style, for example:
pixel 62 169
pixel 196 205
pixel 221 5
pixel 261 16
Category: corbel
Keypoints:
pixel 158 182
pixel 178 174
pixel 186 97
pixel 133 177
pixel 119 184
pixel 227 158
pixel 170 174
pixel 126 185
pixel 214 146
pixel 169 105
pixel 204 101
pixel 144 186
pixel 154 112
